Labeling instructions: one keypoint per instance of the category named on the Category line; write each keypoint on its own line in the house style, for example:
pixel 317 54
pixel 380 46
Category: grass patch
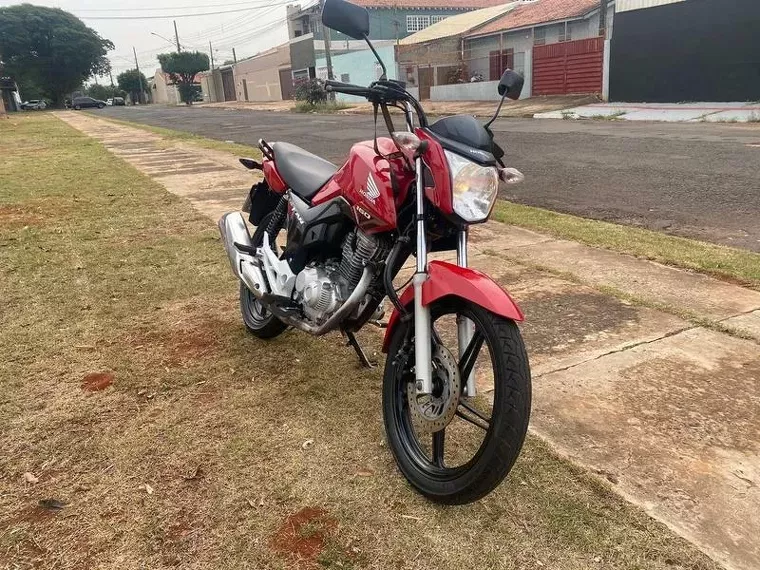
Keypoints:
pixel 194 457
pixel 723 262
pixel 304 107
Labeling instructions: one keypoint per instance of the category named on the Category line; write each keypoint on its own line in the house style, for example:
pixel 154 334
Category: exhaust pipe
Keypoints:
pixel 238 245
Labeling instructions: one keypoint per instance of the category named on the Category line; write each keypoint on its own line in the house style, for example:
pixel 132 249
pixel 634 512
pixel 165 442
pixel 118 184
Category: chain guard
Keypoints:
pixel 431 414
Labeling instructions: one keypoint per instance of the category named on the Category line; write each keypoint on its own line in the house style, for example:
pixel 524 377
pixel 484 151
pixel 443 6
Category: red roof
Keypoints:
pixel 448 4
pixel 538 12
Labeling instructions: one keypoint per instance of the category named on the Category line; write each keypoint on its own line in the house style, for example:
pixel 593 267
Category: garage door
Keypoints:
pixel 568 67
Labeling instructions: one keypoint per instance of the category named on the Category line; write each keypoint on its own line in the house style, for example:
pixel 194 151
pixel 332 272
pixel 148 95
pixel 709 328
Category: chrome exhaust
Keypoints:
pixel 238 245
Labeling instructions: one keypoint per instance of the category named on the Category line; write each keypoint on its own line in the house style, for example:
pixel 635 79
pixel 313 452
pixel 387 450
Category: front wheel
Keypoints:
pixel 452 448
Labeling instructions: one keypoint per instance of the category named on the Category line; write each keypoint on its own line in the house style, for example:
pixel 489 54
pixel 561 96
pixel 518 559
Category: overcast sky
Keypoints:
pixel 249 26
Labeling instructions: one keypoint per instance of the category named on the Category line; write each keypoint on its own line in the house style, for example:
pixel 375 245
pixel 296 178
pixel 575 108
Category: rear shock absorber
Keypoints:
pixel 277 221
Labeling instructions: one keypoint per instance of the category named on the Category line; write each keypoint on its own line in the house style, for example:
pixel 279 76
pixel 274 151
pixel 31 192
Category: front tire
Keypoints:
pixel 505 429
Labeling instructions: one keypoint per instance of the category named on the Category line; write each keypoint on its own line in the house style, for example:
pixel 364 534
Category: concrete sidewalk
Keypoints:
pixel 522 108
pixel 667 112
pixel 665 411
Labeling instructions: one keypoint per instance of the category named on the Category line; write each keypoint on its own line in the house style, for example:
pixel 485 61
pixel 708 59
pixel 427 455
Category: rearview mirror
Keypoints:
pixel 511 84
pixel 347 18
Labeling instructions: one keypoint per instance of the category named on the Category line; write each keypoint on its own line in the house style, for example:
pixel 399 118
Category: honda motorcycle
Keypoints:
pixel 456 387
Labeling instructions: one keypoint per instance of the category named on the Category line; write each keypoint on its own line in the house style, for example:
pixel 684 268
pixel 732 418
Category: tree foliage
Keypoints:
pixel 103 92
pixel 130 81
pixel 51 49
pixel 182 68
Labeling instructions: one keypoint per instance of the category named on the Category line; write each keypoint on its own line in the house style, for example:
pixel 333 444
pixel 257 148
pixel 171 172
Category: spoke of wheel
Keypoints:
pixel 474 411
pixel 470 355
pixel 482 424
pixel 438 442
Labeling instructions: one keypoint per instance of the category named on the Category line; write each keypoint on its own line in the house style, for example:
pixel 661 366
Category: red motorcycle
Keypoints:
pixel 457 387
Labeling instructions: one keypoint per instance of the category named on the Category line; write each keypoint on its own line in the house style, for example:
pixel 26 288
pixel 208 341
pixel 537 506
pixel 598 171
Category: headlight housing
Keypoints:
pixel 473 188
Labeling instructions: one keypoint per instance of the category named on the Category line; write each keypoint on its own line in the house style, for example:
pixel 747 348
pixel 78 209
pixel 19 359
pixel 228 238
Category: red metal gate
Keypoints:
pixel 568 67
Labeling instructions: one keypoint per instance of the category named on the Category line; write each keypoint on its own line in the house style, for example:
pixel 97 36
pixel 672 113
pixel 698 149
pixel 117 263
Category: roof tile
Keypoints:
pixel 538 12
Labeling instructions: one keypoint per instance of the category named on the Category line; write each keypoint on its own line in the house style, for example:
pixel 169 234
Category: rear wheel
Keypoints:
pixel 455 449
pixel 257 319
pixel 77 107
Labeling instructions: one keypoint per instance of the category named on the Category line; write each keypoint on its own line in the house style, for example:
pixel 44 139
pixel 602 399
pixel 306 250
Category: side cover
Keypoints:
pixel 447 279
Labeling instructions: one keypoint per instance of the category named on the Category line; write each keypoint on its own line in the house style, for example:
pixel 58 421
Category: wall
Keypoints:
pixel 477 51
pixel 261 75
pixel 360 67
pixel 163 93
pixel 302 52
pixel 697 50
pixel 480 91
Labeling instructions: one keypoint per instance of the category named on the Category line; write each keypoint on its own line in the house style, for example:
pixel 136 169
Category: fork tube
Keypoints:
pixel 464 325
pixel 422 326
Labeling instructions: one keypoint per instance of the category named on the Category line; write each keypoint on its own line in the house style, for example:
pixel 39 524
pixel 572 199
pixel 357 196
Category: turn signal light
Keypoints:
pixel 407 141
pixel 511 176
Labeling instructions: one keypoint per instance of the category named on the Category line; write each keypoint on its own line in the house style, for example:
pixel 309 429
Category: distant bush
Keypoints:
pixel 312 92
pixel 304 107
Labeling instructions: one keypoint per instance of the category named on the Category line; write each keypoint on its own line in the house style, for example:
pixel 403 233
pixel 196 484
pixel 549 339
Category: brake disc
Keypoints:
pixel 433 412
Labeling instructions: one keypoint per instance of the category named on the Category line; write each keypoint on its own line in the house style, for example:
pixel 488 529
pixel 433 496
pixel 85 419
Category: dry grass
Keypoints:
pixel 193 457
pixel 728 263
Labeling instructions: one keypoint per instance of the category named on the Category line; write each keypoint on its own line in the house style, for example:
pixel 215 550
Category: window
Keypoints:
pixel 564 33
pixel 436 19
pixel 417 23
pixel 539 36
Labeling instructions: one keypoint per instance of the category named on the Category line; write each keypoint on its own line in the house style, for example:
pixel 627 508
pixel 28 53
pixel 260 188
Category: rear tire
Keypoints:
pixel 507 426
pixel 259 322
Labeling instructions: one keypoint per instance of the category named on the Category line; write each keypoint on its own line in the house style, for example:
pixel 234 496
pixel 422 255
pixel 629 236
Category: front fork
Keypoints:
pixel 423 330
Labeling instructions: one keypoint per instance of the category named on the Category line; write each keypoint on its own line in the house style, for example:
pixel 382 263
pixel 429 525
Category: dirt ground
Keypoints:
pixel 195 446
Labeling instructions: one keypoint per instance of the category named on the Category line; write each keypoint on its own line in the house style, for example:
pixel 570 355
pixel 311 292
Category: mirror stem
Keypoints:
pixel 377 57
pixel 498 110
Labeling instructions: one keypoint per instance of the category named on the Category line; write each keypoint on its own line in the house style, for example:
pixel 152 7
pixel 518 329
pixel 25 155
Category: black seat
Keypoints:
pixel 303 172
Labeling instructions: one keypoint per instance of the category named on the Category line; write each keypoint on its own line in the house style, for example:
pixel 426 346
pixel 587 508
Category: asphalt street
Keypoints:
pixel 697 180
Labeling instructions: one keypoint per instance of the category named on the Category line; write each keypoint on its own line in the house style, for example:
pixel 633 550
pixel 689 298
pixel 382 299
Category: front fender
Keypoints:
pixel 449 280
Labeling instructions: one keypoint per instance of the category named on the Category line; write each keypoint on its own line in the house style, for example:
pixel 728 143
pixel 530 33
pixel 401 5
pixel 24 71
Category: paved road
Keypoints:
pixel 697 180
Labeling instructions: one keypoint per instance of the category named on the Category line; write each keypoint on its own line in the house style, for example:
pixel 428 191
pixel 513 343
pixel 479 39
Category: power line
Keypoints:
pixel 170 16
pixel 146 9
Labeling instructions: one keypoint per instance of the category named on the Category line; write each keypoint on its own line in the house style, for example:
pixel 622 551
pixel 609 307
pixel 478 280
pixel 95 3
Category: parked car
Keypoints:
pixel 33 105
pixel 119 101
pixel 109 102
pixel 86 102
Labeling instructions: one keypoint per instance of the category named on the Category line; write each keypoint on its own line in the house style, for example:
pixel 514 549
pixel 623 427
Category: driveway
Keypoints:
pixel 694 180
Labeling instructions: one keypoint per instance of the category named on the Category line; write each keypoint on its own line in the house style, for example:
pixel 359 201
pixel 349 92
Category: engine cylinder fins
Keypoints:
pixel 358 250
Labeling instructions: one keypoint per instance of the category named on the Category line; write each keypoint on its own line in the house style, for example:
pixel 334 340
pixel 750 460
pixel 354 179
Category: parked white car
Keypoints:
pixel 34 105
pixel 109 102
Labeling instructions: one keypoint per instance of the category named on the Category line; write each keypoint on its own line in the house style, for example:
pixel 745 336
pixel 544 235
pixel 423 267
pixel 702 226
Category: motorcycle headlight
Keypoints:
pixel 474 188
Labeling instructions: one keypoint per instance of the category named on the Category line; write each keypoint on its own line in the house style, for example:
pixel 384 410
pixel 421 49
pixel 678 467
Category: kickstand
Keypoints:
pixel 352 342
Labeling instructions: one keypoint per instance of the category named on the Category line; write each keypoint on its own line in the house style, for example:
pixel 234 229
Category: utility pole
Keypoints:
pixel 328 55
pixel 211 53
pixel 110 74
pixel 139 76
pixel 176 36
pixel 234 55
pixel 603 18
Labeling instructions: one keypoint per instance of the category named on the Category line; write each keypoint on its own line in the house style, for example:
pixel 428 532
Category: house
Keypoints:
pixel 390 21
pixel 164 91
pixel 685 50
pixel 434 56
pixel 9 99
pixel 218 85
pixel 558 46
pixel 265 76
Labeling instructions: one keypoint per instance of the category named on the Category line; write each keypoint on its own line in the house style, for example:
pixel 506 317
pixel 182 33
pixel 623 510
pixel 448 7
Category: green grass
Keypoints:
pixel 723 262
pixel 304 107
pixel 103 270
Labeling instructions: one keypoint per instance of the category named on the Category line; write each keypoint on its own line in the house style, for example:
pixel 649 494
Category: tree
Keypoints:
pixel 134 83
pixel 182 68
pixel 312 91
pixel 50 49
pixel 103 92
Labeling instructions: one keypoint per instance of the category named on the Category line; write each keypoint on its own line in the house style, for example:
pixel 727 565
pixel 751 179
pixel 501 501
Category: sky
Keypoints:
pixel 249 26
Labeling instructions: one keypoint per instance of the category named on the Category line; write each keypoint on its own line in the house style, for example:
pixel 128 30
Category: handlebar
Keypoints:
pixel 379 92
